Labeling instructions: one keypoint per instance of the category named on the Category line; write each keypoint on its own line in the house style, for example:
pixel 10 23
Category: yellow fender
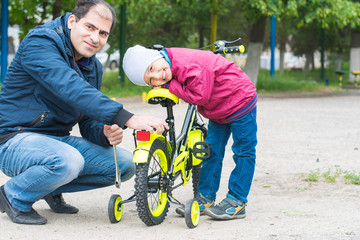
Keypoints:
pixel 141 152
pixel 194 137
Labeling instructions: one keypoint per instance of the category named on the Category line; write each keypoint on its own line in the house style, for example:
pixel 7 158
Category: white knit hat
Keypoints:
pixel 136 60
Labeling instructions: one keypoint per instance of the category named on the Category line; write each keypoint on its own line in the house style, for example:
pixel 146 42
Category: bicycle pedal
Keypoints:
pixel 201 150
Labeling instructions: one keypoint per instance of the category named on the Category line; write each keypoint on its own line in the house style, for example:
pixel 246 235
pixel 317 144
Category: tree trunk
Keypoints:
pixel 308 61
pixel 282 55
pixel 201 36
pixel 257 34
pixel 338 61
pixel 312 61
pixel 354 53
pixel 56 9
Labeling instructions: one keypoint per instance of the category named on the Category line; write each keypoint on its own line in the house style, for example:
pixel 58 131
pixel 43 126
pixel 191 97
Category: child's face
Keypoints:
pixel 158 73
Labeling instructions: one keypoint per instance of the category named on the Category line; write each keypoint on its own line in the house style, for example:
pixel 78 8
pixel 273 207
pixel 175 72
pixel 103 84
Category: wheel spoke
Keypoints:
pixel 151 196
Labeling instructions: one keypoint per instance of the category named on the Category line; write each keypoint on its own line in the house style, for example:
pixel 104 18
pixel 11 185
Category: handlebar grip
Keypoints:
pixel 234 49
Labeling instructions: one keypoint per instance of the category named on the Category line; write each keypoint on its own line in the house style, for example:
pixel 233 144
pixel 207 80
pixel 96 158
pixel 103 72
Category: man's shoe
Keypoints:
pixel 17 216
pixel 58 205
pixel 229 208
pixel 204 203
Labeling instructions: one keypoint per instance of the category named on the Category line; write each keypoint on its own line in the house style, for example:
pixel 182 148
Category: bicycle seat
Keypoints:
pixel 161 96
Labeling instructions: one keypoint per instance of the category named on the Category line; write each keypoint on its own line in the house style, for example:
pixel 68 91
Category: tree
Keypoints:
pixel 325 14
pixel 257 12
pixel 28 14
pixel 354 52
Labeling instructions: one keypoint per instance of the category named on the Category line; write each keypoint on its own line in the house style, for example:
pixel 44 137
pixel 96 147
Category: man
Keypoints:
pixel 52 84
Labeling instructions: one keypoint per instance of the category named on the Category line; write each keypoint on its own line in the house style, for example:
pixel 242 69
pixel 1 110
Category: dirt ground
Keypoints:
pixel 297 137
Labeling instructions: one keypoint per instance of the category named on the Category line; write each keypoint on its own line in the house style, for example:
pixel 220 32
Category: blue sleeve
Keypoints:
pixel 93 131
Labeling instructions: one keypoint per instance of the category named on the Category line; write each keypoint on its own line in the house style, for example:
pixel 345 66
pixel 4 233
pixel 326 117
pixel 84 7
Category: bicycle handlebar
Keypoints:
pixel 233 49
pixel 220 47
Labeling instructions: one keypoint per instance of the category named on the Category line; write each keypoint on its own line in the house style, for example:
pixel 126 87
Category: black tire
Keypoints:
pixel 151 196
pixel 197 169
pixel 196 178
pixel 115 208
pixel 192 213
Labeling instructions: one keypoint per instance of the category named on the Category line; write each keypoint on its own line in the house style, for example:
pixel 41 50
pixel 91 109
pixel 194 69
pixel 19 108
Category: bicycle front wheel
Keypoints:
pixel 151 185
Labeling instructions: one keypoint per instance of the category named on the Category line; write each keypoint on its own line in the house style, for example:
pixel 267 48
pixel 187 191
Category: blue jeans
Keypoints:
pixel 243 131
pixel 41 164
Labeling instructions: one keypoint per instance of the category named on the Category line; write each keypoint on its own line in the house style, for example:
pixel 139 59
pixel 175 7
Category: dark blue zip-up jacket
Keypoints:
pixel 46 91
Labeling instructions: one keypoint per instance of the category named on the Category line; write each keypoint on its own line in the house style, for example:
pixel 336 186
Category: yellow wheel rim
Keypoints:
pixel 118 212
pixel 158 203
pixel 195 213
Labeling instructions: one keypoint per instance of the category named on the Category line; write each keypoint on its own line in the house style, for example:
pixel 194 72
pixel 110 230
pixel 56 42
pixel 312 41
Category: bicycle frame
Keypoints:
pixel 178 147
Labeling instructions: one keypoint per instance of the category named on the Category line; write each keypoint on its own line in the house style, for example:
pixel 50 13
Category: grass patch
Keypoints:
pixel 330 176
pixel 113 87
pixel 302 189
pixel 294 81
pixel 313 176
pixel 352 177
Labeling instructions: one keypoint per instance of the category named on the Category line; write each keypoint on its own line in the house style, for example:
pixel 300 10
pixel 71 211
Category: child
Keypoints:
pixel 225 95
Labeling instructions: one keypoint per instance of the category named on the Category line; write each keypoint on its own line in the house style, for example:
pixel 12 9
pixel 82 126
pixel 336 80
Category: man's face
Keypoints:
pixel 89 34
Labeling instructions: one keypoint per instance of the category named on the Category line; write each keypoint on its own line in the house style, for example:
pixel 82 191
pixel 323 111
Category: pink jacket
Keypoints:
pixel 221 91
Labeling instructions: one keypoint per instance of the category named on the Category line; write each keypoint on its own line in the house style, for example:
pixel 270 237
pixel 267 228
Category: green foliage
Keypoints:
pixel 313 176
pixel 165 22
pixel 28 14
pixel 325 13
pixel 352 177
pixel 186 23
pixel 330 176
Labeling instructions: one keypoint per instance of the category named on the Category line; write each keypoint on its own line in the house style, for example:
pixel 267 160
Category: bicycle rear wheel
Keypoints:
pixel 196 169
pixel 151 185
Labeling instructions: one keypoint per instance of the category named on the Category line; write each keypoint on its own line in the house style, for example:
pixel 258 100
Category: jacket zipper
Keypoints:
pixel 40 118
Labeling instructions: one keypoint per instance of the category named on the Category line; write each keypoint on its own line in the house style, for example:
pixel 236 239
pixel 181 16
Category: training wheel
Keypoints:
pixel 192 213
pixel 115 208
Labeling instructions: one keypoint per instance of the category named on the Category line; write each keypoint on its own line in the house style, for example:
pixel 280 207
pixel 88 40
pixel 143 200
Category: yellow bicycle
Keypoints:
pixel 162 159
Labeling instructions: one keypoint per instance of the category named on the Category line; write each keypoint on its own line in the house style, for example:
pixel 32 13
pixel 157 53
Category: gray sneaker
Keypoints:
pixel 204 203
pixel 227 209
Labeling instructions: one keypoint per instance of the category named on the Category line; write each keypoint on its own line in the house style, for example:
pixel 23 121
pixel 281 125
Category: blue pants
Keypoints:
pixel 243 131
pixel 41 164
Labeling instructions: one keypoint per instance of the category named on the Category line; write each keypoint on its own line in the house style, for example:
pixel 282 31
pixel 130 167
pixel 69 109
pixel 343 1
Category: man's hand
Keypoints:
pixel 147 123
pixel 113 133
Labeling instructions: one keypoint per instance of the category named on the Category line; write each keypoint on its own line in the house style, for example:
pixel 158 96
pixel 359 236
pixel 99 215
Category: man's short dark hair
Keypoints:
pixel 83 7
